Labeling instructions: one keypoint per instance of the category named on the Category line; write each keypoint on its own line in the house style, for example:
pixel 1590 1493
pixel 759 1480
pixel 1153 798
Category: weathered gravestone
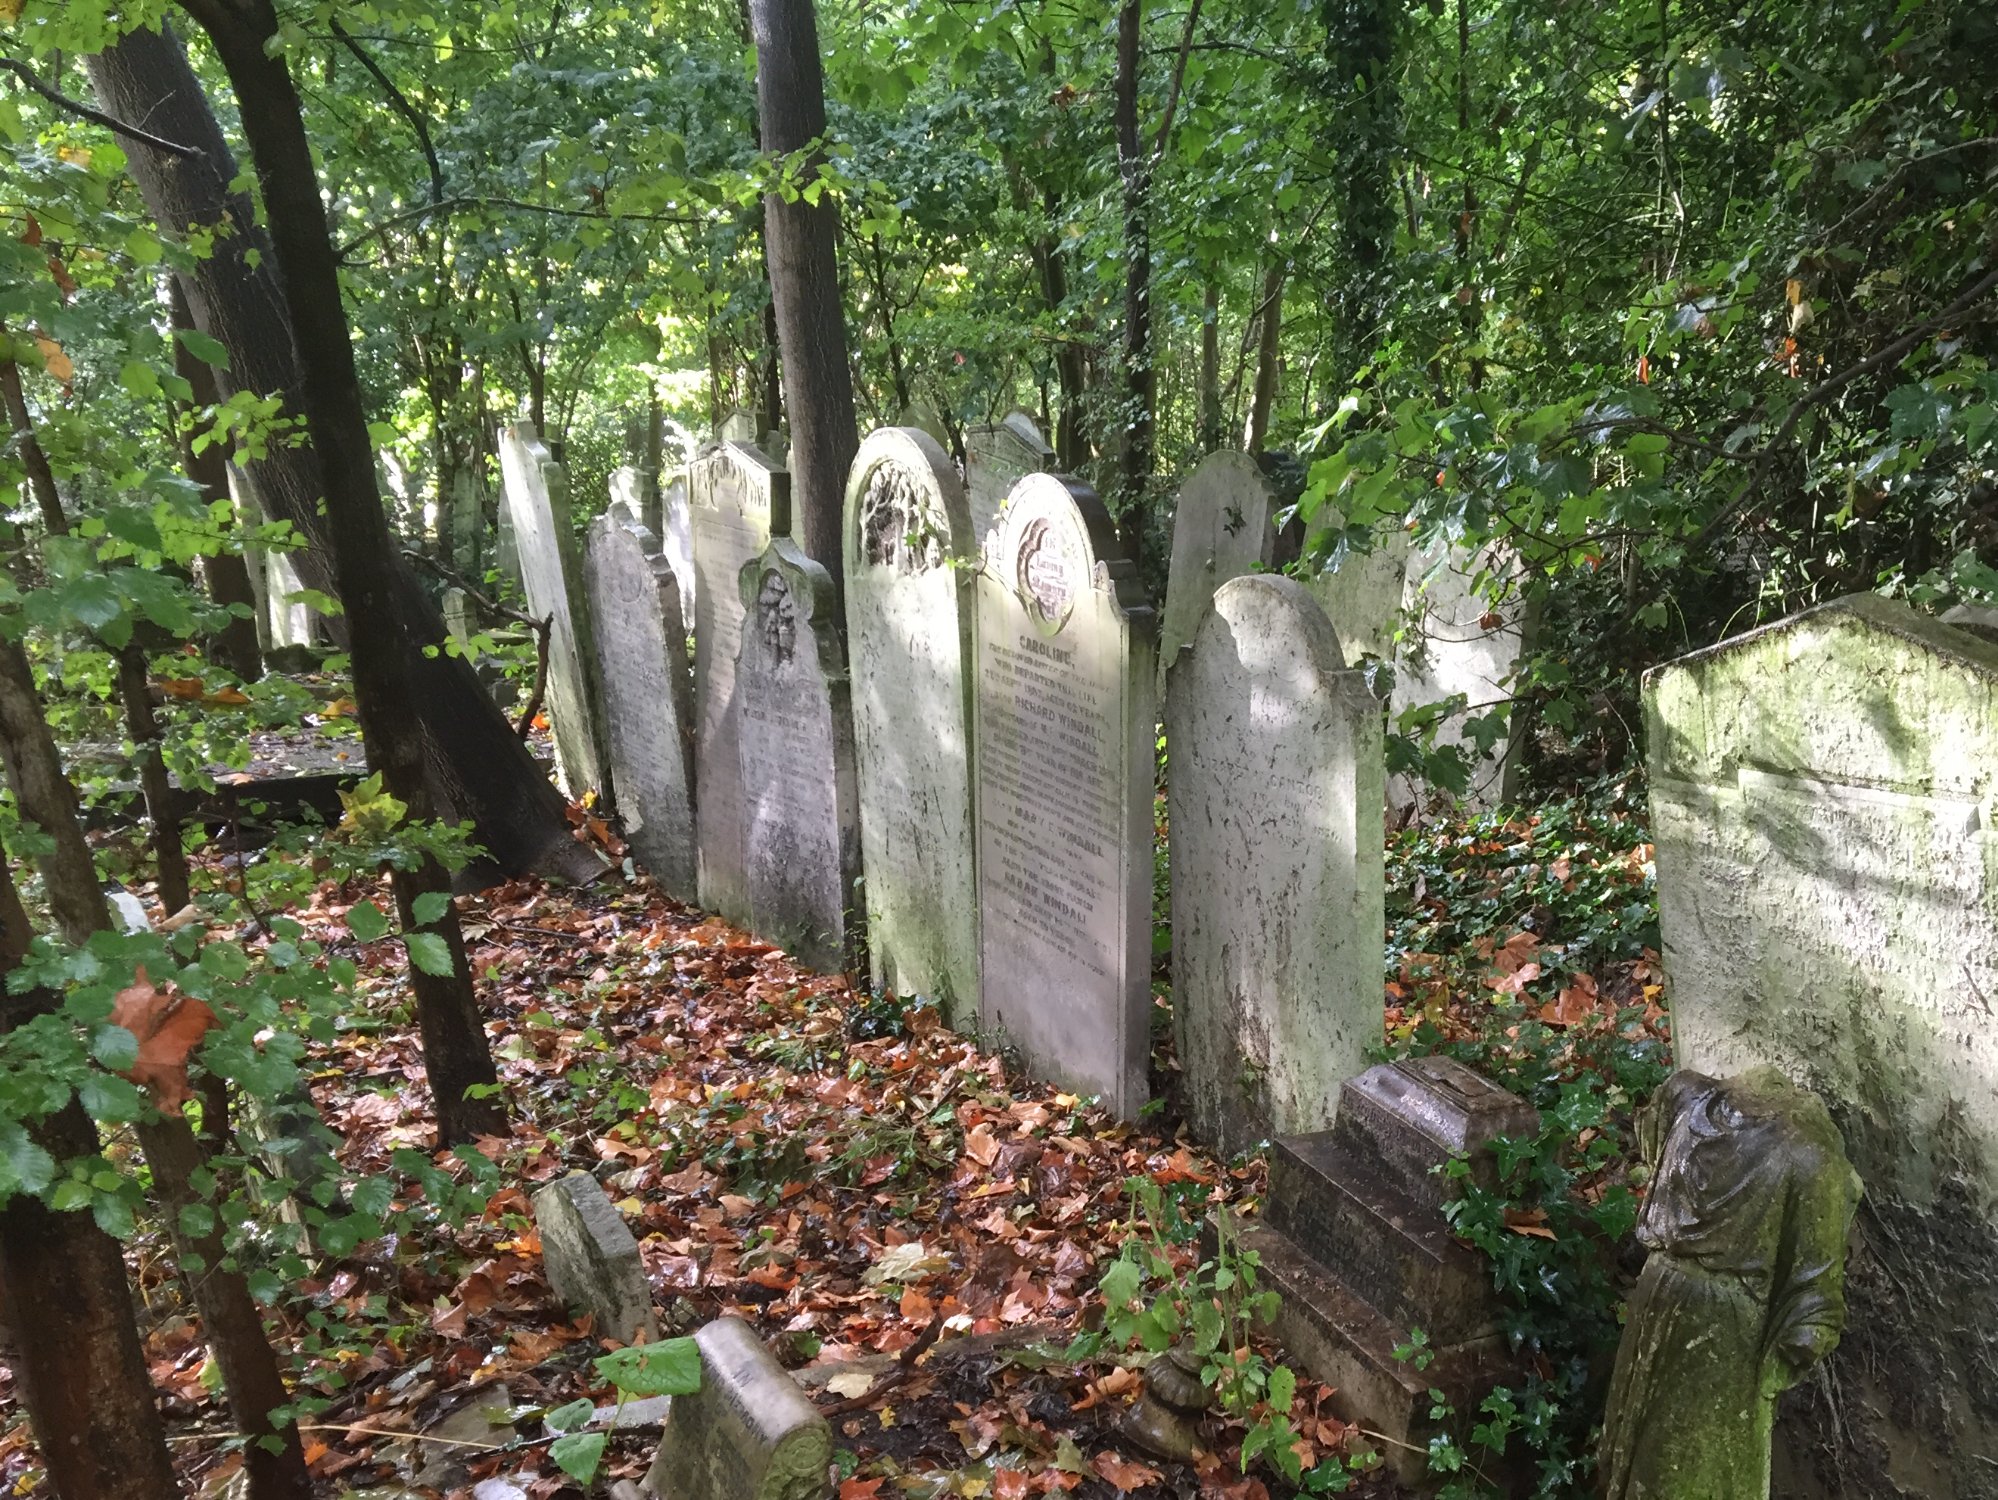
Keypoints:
pixel 466 522
pixel 1823 796
pixel 1460 641
pixel 1360 591
pixel 737 500
pixel 1064 730
pixel 293 620
pixel 1354 1241
pixel 908 616
pixel 1274 785
pixel 800 811
pixel 537 497
pixel 628 492
pixel 648 695
pixel 1223 525
pixel 456 606
pixel 676 542
pixel 996 458
pixel 749 1433
pixel 592 1260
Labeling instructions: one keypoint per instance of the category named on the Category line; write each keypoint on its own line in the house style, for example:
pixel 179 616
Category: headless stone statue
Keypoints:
pixel 1751 1197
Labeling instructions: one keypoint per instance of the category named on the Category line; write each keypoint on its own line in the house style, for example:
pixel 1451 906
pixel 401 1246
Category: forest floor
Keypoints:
pixel 852 1178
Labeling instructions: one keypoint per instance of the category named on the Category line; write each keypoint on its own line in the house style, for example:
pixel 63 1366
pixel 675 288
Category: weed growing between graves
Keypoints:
pixel 1526 947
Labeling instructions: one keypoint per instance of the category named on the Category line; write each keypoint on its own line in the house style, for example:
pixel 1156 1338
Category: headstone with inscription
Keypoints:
pixel 909 588
pixel 648 692
pixel 995 459
pixel 749 1433
pixel 1064 735
pixel 1275 800
pixel 466 523
pixel 592 1260
pixel 737 501
pixel 1824 792
pixel 537 497
pixel 1223 525
pixel 456 605
pixel 800 810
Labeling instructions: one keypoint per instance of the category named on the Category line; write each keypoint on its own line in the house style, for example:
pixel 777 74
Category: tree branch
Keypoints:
pixel 1178 77
pixel 474 200
pixel 399 102
pixel 96 117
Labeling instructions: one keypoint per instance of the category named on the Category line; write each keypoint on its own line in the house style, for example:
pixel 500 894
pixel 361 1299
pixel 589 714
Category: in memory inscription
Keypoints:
pixel 1064 729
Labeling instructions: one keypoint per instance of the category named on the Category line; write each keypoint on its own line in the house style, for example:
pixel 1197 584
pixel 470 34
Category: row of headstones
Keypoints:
pixel 988 762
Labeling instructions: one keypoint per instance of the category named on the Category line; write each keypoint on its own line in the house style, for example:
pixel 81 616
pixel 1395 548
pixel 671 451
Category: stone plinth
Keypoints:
pixel 1355 1243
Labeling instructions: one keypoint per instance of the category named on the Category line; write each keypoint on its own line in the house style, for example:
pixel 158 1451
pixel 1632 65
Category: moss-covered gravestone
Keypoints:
pixel 1823 796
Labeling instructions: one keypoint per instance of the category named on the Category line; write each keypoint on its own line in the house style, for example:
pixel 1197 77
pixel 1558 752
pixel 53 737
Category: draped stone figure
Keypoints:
pixel 1751 1198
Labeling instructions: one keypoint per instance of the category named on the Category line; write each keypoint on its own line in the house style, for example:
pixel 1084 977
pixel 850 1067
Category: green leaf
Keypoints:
pixel 430 907
pixel 112 1101
pixel 671 1367
pixel 114 1215
pixel 573 1416
pixel 366 922
pixel 1283 1387
pixel 209 351
pixel 115 1047
pixel 140 378
pixel 1120 1284
pixel 430 953
pixel 579 1454
pixel 32 1168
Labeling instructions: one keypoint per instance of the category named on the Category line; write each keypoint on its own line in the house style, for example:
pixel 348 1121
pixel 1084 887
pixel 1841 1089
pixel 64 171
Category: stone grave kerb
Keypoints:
pixel 909 560
pixel 1088 581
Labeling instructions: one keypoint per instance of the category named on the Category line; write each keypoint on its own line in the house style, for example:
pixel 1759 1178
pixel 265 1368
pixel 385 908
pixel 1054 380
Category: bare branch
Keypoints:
pixel 96 117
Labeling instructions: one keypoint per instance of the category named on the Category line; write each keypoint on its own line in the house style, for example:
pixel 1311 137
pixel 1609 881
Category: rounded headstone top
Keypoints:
pixel 905 506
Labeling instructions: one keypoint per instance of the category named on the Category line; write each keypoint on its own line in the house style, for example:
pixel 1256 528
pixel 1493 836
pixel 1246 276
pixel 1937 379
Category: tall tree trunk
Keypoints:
pixel 1135 447
pixel 804 279
pixel 1210 365
pixel 227 573
pixel 456 1052
pixel 1269 349
pixel 1364 137
pixel 475 766
pixel 231 1324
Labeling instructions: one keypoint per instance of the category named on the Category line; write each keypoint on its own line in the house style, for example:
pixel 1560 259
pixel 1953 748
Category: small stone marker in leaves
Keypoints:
pixel 749 1433
pixel 592 1259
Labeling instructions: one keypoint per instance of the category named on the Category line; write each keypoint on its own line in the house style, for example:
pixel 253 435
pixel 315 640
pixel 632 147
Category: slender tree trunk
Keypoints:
pixel 477 769
pixel 76 1345
pixel 1210 366
pixel 1269 350
pixel 1135 449
pixel 134 690
pixel 231 1324
pixel 456 1052
pixel 804 279
pixel 227 573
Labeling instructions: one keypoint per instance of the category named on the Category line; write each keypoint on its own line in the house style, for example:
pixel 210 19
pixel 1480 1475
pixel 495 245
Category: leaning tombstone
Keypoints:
pixel 737 500
pixel 648 690
pixel 908 618
pixel 749 1433
pixel 1354 1242
pixel 592 1260
pixel 1822 805
pixel 1223 525
pixel 1460 640
pixel 676 539
pixel 800 811
pixel 1063 749
pixel 627 495
pixel 996 458
pixel 1275 803
pixel 537 497
pixel 1750 1191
